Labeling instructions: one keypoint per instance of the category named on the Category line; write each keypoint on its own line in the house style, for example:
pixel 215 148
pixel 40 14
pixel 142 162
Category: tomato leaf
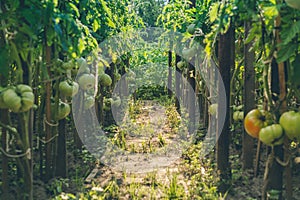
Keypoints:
pixel 96 25
pixel 81 45
pixel 254 33
pixel 213 14
pixel 271 11
pixel 110 23
pixel 291 33
pixel 75 9
pixel 286 52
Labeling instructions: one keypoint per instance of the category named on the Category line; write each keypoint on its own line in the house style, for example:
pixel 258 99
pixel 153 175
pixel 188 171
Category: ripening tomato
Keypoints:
pixel 254 121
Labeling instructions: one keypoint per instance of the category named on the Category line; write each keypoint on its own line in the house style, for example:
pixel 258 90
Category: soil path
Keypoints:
pixel 151 159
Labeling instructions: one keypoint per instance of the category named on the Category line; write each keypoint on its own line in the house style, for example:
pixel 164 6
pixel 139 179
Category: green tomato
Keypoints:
pixel 290 122
pixel 189 53
pixel 241 115
pixel 238 108
pixel 181 64
pixel 27 97
pixel 12 100
pixel 68 88
pixel 117 76
pixel 236 116
pixel 107 103
pixel 89 102
pixel 271 135
pixel 83 67
pixel 20 99
pixel 86 81
pixel 27 101
pixel 212 109
pixel 68 65
pixel 105 80
pixel 63 110
pixel 116 102
pixel 191 29
pixel 23 88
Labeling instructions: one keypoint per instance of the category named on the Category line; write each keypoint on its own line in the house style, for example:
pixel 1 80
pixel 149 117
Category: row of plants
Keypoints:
pixel 48 51
pixel 50 55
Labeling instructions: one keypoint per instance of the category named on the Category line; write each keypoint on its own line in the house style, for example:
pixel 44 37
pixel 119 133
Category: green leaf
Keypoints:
pixel 270 11
pixel 254 33
pixel 28 31
pixel 168 16
pixel 111 23
pixel 105 8
pixel 213 13
pixel 75 9
pixel 286 52
pixel 81 45
pixel 55 2
pixel 291 33
pixel 95 25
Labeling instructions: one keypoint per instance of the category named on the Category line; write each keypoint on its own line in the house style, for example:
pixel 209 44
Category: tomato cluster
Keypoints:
pixel 258 124
pixel 85 81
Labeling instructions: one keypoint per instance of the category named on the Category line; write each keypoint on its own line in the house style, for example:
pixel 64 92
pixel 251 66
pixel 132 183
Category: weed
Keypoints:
pixel 112 190
pixel 161 140
pixel 57 185
pixel 174 190
pixel 151 179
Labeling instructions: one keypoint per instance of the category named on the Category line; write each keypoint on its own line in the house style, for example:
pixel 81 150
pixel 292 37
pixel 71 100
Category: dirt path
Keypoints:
pixel 153 151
